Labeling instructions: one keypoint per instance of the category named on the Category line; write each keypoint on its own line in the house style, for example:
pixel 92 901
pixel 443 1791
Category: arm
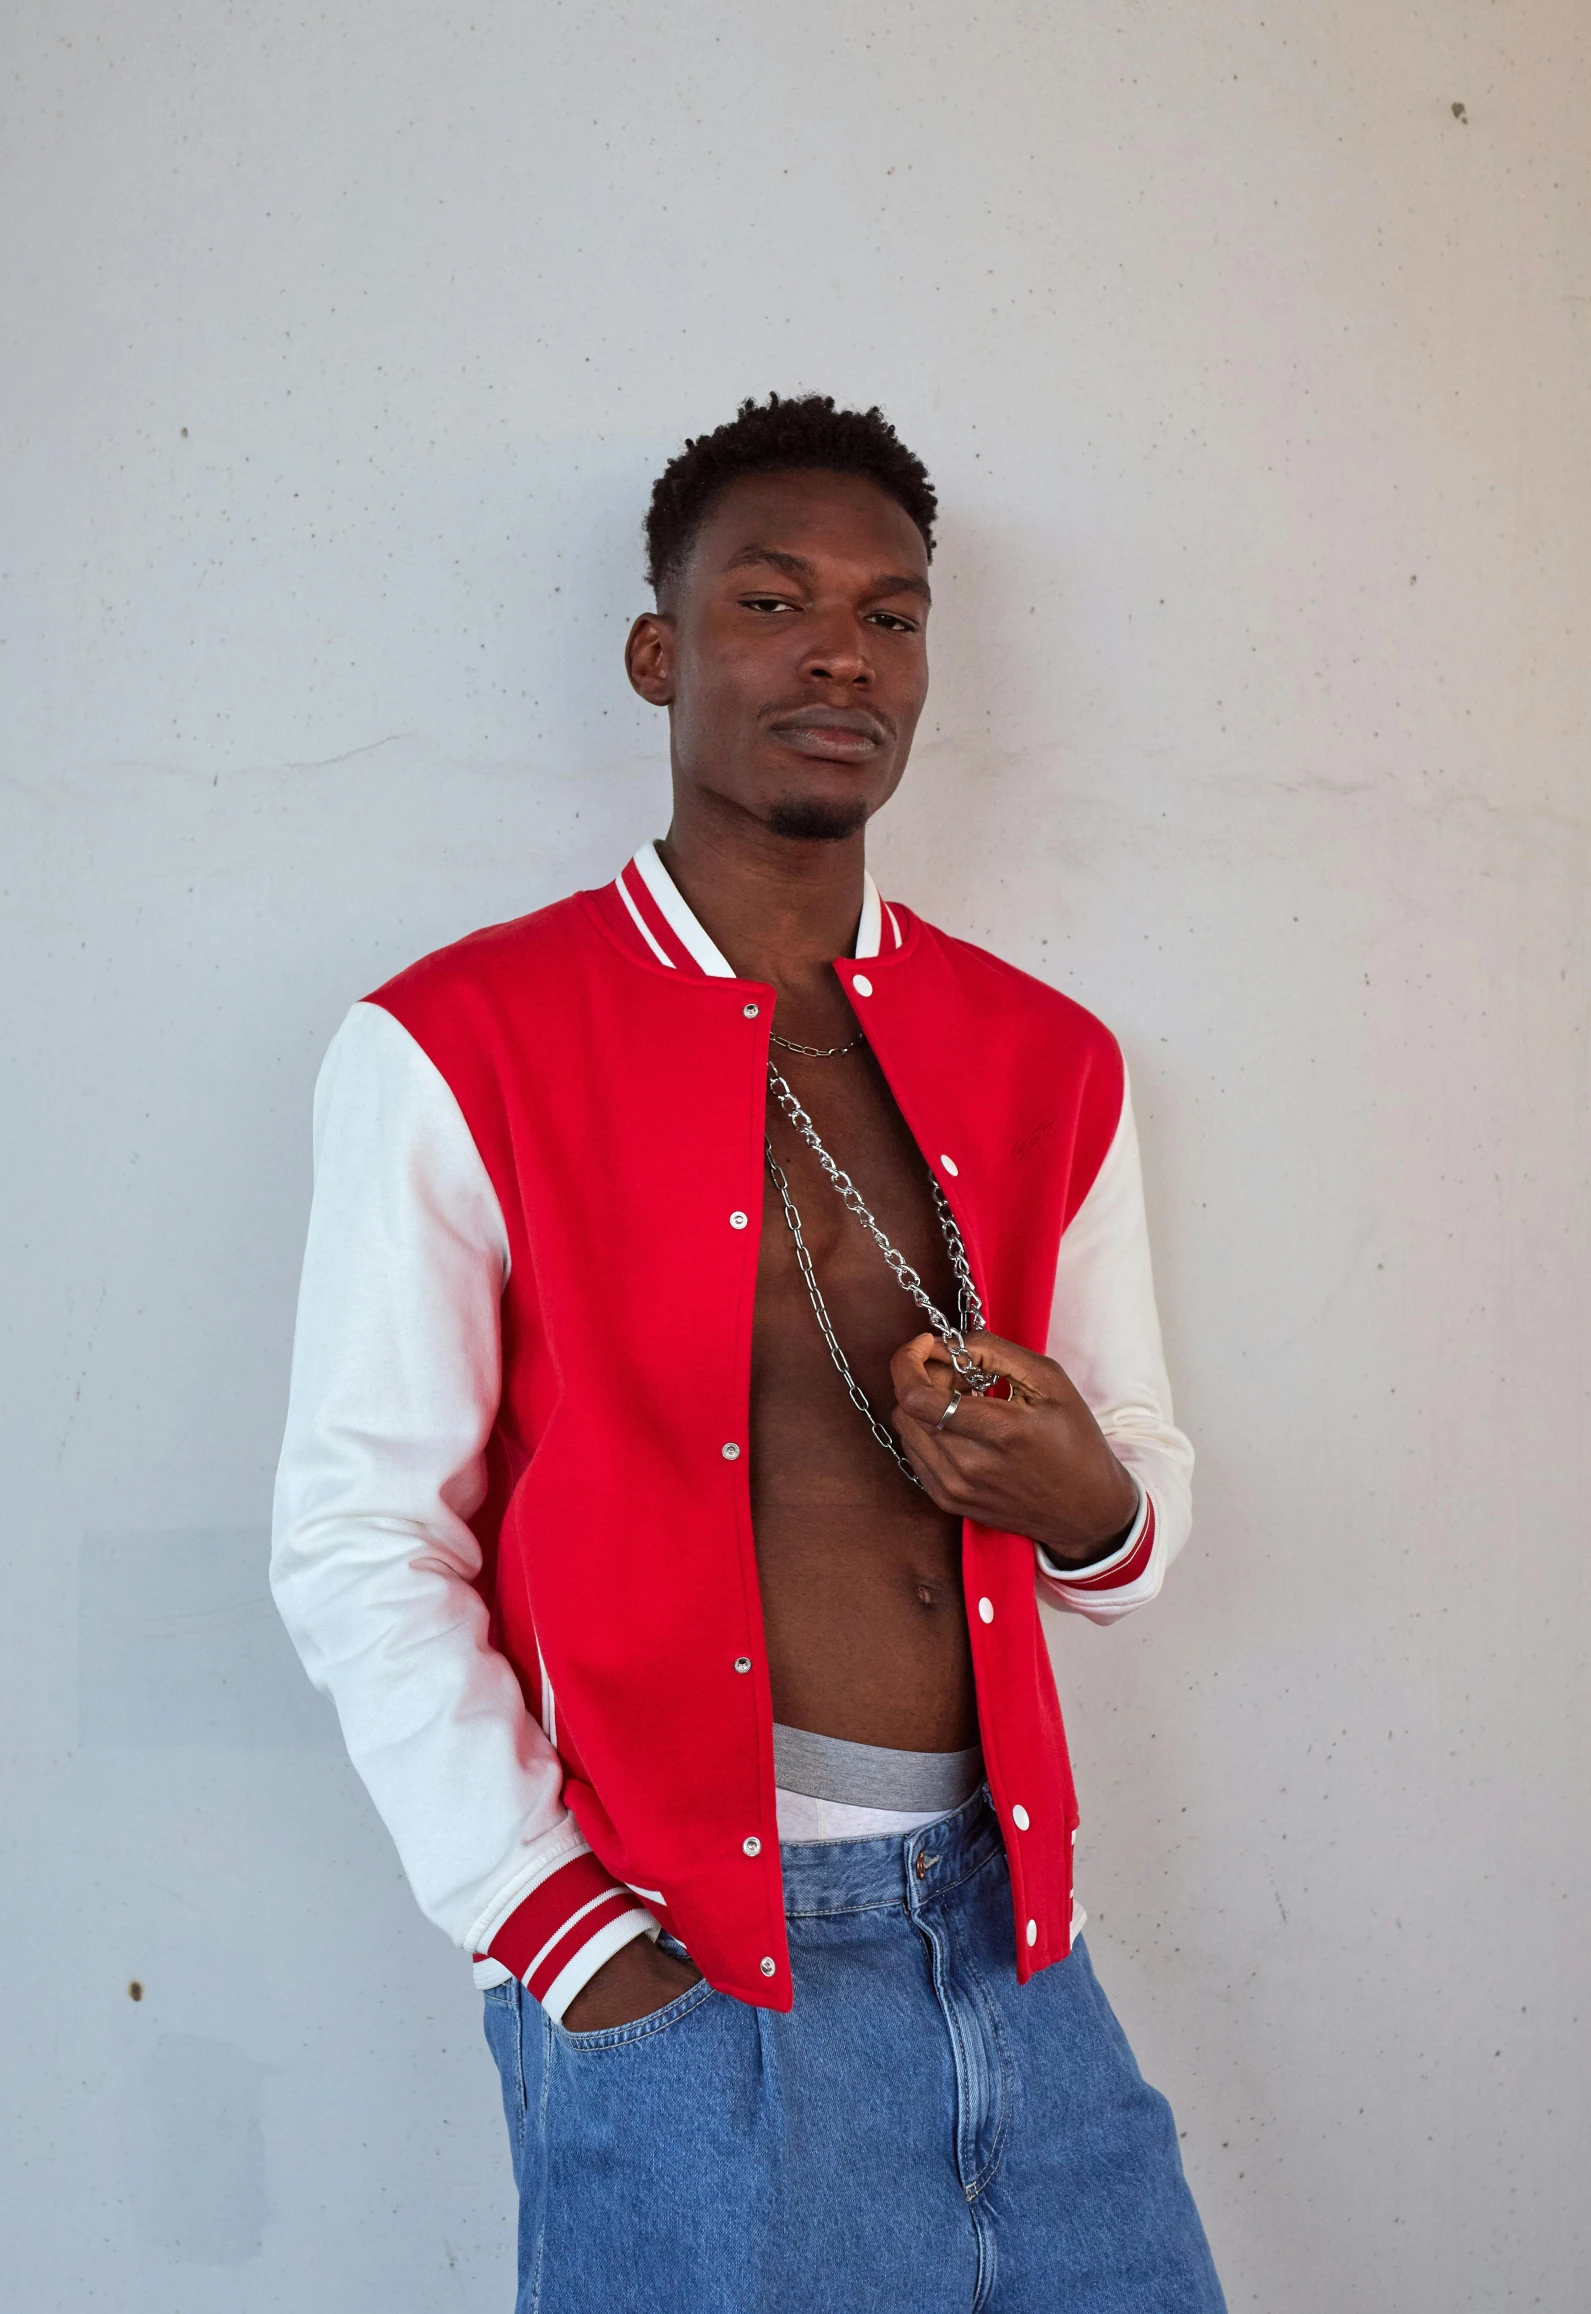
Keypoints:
pixel 394 1392
pixel 1105 1332
pixel 1084 1456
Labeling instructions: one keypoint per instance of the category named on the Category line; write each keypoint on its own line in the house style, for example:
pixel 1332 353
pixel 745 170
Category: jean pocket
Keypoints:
pixel 641 2029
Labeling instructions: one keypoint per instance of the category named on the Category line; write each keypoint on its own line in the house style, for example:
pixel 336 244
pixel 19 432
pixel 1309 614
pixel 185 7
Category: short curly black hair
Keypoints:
pixel 804 430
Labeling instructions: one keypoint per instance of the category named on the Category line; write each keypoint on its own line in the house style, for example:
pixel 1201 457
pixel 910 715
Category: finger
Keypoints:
pixel 948 1484
pixel 921 1449
pixel 928 1388
pixel 922 1359
pixel 928 1401
pixel 1038 1376
pixel 991 1425
pixel 923 1377
pixel 960 1468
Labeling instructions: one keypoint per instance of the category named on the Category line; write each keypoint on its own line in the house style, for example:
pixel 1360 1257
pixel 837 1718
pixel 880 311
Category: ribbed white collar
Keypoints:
pixel 693 936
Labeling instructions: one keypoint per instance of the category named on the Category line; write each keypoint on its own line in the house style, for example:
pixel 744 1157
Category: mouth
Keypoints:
pixel 832 734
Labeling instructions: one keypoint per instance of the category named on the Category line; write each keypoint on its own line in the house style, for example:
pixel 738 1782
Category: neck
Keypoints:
pixel 781 909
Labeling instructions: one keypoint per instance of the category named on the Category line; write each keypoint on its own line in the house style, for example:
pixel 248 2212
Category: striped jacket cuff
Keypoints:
pixel 1124 1566
pixel 566 1928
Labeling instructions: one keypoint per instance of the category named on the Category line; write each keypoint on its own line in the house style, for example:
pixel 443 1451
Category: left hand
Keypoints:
pixel 1035 1463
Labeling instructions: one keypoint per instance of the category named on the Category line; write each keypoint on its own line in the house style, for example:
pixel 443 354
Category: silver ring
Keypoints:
pixel 949 1410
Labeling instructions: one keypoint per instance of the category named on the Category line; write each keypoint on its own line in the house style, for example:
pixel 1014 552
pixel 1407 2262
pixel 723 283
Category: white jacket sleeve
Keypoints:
pixel 1105 1331
pixel 395 1382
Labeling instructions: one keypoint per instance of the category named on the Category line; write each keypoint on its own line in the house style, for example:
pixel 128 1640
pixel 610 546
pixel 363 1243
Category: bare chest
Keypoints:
pixel 795 1376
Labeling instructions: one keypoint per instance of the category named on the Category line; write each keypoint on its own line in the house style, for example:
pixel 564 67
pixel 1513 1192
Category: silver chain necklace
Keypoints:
pixel 970 1309
pixel 818 1052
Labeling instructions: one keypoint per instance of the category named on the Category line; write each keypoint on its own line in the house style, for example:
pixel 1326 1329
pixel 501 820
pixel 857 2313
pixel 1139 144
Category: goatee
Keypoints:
pixel 812 822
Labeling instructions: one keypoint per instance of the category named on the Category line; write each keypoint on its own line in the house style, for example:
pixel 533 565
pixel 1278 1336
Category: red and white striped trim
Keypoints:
pixel 1125 1568
pixel 634 889
pixel 677 938
pixel 549 1938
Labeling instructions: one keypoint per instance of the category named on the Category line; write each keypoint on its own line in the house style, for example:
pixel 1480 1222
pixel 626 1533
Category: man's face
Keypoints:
pixel 791 651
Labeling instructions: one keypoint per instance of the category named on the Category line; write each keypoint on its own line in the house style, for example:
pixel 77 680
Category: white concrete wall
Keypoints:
pixel 344 345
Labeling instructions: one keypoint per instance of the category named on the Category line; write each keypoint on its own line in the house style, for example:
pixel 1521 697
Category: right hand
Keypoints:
pixel 637 1980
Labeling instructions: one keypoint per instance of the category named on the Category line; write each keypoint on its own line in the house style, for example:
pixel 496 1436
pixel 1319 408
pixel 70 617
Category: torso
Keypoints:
pixel 860 1573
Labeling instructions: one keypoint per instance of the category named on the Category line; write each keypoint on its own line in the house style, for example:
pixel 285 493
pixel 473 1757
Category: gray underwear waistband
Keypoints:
pixel 870 1775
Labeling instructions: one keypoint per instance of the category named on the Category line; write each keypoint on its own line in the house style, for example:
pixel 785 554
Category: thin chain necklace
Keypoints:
pixel 969 1308
pixel 817 1052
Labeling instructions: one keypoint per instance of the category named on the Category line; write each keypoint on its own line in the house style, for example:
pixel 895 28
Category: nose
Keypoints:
pixel 837 652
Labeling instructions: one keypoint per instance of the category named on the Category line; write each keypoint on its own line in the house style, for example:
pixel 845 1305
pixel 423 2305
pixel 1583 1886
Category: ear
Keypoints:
pixel 649 658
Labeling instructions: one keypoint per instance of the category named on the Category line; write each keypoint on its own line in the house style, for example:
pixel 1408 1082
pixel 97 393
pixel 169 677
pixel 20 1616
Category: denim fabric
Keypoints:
pixel 920 2132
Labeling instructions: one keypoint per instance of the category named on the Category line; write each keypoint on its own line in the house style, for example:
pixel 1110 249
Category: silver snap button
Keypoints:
pixel 742 1662
pixel 737 1221
pixel 768 1964
pixel 1033 1932
pixel 1020 1817
pixel 752 1845
pixel 732 1454
pixel 750 1011
pixel 862 985
pixel 985 1606
pixel 950 1166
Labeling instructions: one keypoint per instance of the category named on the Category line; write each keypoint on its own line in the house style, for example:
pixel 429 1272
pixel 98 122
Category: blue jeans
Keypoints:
pixel 919 2133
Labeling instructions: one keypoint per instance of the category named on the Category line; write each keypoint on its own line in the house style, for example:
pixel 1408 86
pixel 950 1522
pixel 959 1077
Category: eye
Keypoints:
pixel 892 623
pixel 765 603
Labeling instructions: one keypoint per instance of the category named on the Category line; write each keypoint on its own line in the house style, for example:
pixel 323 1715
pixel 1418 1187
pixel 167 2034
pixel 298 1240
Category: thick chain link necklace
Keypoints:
pixel 969 1374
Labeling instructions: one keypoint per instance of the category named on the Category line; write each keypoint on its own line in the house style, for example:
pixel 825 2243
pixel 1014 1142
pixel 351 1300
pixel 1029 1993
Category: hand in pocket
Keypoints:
pixel 638 1980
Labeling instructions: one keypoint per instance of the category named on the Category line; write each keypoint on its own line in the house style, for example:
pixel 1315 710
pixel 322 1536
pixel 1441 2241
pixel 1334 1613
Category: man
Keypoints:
pixel 672 1459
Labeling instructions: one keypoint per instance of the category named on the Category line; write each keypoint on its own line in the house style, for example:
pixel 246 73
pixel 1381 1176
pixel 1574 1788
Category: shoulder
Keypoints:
pixel 496 956
pixel 481 1006
pixel 1029 1004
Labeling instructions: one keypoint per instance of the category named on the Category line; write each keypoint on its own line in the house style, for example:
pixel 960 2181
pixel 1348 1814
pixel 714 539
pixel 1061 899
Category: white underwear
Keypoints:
pixel 829 1789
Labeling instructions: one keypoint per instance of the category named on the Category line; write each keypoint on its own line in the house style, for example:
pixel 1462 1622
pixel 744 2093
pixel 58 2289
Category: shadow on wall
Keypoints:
pixel 195 2150
pixel 179 1642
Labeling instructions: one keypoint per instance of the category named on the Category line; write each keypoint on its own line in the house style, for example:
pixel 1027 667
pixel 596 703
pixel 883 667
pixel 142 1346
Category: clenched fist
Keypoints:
pixel 1035 1463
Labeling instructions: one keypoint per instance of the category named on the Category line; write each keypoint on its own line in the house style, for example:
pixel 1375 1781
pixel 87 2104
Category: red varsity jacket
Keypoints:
pixel 516 1545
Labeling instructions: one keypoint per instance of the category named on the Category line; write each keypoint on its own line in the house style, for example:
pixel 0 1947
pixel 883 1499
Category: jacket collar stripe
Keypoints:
pixel 640 922
pixel 658 921
pixel 686 929
pixel 677 938
pixel 867 932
